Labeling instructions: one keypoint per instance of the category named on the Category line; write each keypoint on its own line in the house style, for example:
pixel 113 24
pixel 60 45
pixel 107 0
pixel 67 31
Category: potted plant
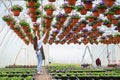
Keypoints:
pixel 91 18
pixel 36 14
pixel 61 17
pixel 48 20
pixel 67 8
pixel 116 9
pixel 71 2
pixel 101 7
pixel 49 8
pixel 24 24
pixel 83 23
pixel 8 19
pixel 109 14
pixel 32 9
pixel 36 25
pixel 95 12
pixel 107 23
pixel 99 22
pixel 88 4
pixel 16 9
pixel 81 9
pixel 109 3
pixel 31 2
pixel 115 20
pixel 51 0
pixel 75 18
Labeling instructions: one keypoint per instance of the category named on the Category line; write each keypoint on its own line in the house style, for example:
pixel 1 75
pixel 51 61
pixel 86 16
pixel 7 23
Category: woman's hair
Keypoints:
pixel 35 43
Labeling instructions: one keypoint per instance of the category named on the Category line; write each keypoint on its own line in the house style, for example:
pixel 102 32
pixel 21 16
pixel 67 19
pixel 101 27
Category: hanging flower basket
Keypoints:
pixel 83 23
pixel 67 8
pixel 117 12
pixel 61 17
pixel 34 19
pixel 107 23
pixel 36 26
pixel 114 20
pixel 81 9
pixel 16 9
pixel 75 18
pixel 52 0
pixel 87 4
pixel 95 12
pixel 101 7
pixel 109 3
pixel 109 15
pixel 49 8
pixel 8 19
pixel 90 18
pixel 31 3
pixel 24 24
pixel 71 2
pixel 32 9
pixel 99 22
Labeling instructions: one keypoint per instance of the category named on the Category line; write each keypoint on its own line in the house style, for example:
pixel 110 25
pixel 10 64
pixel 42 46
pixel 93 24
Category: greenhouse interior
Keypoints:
pixel 60 40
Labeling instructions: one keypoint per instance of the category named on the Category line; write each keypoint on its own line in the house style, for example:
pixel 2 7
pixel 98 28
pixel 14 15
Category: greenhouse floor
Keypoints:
pixel 44 76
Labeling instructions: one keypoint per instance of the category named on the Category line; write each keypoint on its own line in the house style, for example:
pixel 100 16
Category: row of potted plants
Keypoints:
pixel 74 72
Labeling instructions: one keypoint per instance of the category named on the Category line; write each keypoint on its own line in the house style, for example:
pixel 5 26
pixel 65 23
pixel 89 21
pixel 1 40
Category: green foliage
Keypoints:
pixel 23 23
pixel 37 5
pixel 105 22
pixel 16 7
pixel 80 7
pixel 67 5
pixel 75 16
pixel 38 12
pixel 49 6
pixel 109 12
pixel 101 6
pixel 7 18
pixel 87 1
pixel 90 16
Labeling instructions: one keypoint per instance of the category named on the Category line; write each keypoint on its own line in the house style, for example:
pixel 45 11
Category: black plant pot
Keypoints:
pixel 64 78
pixel 72 78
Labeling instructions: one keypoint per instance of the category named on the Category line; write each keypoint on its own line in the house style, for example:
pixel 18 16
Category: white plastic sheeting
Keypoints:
pixel 73 53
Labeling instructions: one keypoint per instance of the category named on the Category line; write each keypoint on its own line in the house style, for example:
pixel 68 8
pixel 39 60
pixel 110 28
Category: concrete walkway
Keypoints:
pixel 44 76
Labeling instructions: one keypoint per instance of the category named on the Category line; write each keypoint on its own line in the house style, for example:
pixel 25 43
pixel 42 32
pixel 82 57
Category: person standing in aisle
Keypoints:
pixel 38 45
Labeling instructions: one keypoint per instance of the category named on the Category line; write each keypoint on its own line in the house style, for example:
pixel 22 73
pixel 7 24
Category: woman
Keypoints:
pixel 37 47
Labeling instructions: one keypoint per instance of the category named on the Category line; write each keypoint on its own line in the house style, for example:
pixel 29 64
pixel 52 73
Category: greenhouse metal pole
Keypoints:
pixel 87 47
pixel 18 54
pixel 108 54
pixel 6 6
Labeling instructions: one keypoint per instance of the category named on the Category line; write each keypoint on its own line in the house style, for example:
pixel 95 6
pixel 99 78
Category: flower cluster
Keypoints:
pixel 7 18
pixel 75 16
